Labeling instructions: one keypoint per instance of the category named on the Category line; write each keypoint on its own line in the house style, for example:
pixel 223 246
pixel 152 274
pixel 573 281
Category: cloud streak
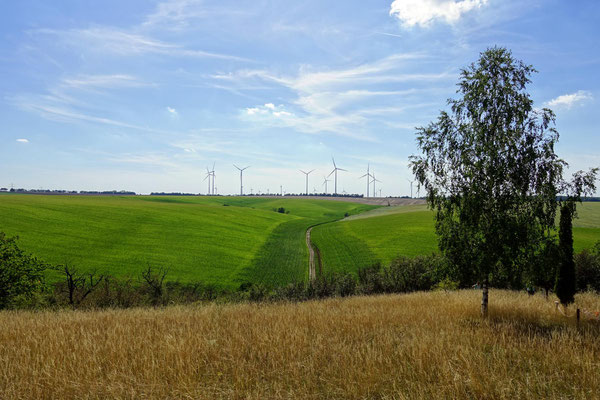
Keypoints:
pixel 124 43
pixel 334 101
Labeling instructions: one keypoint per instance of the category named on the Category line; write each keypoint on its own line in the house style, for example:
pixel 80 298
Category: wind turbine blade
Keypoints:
pixel 364 176
pixel 331 173
pixel 340 169
pixel 214 166
pixel 236 166
pixel 302 171
pixel 332 159
pixel 310 171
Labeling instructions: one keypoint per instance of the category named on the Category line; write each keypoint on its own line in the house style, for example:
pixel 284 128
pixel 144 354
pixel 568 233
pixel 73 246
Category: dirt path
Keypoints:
pixel 312 270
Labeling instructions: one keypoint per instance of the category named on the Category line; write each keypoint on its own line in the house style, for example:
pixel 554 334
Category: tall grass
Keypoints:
pixel 417 346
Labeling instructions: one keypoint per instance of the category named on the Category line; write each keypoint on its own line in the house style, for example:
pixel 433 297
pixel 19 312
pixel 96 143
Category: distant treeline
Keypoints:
pixel 177 194
pixel 59 191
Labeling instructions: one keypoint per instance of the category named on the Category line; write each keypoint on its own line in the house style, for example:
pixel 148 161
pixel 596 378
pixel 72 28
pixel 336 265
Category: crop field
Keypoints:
pixel 428 345
pixel 216 240
pixel 384 233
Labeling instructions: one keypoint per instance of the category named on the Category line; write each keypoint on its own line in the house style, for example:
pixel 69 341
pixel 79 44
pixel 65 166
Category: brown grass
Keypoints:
pixel 415 346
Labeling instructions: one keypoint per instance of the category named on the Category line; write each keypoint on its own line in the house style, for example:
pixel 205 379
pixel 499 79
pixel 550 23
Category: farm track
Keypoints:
pixel 312 271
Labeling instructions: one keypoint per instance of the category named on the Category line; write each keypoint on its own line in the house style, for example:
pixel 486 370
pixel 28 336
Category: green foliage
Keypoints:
pixel 490 171
pixel 21 275
pixel 565 280
pixel 587 268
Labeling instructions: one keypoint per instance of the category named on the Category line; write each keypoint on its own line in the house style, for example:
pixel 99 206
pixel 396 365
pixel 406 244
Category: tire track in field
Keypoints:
pixel 312 271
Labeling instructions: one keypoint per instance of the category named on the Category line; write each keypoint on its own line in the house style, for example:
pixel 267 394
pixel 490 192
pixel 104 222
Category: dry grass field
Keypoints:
pixel 414 346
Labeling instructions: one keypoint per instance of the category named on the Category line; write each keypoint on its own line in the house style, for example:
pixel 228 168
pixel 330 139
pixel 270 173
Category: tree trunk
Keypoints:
pixel 484 299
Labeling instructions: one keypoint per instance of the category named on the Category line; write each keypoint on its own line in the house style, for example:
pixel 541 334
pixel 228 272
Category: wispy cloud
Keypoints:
pixel 569 100
pixel 180 14
pixel 173 112
pixel 23 140
pixel 424 12
pixel 126 43
pixel 334 101
pixel 103 81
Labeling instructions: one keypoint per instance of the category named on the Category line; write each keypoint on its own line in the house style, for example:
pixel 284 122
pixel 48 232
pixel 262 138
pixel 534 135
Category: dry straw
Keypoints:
pixel 415 346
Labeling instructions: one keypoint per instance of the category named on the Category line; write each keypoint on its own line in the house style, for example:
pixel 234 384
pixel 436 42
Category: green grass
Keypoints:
pixel 382 234
pixel 196 238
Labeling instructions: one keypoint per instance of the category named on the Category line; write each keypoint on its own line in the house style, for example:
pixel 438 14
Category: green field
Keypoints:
pixel 382 234
pixel 225 241
pixel 217 240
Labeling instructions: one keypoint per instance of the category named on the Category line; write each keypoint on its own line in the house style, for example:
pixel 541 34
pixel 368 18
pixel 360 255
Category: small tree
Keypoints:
pixel 154 281
pixel 566 282
pixel 490 172
pixel 80 285
pixel 21 274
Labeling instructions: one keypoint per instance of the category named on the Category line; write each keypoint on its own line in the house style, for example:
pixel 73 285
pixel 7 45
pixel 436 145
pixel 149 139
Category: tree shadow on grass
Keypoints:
pixel 530 326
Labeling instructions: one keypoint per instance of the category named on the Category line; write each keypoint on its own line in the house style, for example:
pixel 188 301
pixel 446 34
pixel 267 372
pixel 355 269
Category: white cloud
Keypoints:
pixel 179 15
pixel 424 12
pixel 124 43
pixel 103 81
pixel 23 140
pixel 569 100
pixel 334 101
pixel 172 111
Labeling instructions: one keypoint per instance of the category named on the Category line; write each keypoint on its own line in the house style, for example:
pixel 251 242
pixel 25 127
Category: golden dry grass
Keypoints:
pixel 415 346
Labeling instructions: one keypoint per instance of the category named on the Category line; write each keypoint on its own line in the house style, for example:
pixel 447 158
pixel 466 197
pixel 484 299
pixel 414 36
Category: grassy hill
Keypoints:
pixel 382 234
pixel 431 345
pixel 216 240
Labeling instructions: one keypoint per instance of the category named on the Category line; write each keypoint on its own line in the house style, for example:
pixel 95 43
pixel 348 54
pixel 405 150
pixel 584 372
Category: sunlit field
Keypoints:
pixel 385 233
pixel 222 241
pixel 413 346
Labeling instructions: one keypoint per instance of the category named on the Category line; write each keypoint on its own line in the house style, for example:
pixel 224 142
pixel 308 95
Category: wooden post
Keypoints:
pixel 578 316
pixel 484 299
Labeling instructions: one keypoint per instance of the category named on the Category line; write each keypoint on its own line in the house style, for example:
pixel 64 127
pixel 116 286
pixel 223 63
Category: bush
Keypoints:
pixel 587 268
pixel 21 275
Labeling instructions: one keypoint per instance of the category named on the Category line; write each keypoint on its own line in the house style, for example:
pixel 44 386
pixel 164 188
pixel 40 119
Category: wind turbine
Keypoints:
pixel 411 183
pixel 307 173
pixel 241 177
pixel 208 176
pixel 335 170
pixel 325 180
pixel 373 181
pixel 367 175
pixel 213 178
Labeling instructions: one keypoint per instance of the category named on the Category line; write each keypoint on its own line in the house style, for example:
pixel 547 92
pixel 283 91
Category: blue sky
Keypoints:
pixel 144 95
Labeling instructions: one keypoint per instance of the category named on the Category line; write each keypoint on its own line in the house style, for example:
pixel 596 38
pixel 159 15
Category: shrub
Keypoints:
pixel 587 268
pixel 21 275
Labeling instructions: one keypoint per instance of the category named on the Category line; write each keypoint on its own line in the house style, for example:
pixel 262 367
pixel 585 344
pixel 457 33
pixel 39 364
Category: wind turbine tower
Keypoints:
pixel 325 180
pixel 373 181
pixel 208 176
pixel 241 178
pixel 411 190
pixel 335 170
pixel 307 173
pixel 368 176
pixel 213 178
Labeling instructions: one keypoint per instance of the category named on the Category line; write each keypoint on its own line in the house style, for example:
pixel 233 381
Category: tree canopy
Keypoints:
pixel 490 172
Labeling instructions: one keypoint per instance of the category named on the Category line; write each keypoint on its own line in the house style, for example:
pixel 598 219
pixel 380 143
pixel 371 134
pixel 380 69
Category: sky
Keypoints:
pixel 145 95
